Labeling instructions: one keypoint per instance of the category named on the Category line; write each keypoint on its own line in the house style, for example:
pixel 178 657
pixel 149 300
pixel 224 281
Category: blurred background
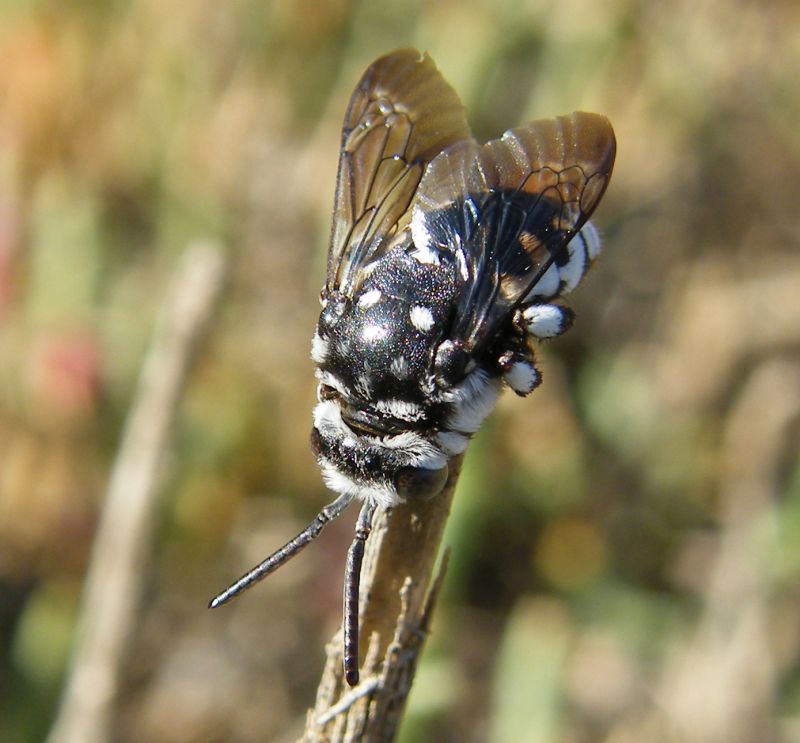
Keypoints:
pixel 625 542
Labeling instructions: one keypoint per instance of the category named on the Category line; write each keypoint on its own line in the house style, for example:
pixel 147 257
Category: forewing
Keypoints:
pixel 506 210
pixel 401 115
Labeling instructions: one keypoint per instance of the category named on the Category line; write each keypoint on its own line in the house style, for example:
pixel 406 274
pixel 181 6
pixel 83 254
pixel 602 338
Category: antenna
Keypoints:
pixel 352 583
pixel 352 576
pixel 287 552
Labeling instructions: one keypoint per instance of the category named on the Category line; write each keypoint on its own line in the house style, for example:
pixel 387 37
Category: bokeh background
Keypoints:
pixel 625 542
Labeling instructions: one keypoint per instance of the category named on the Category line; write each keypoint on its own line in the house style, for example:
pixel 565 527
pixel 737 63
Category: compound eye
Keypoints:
pixel 420 483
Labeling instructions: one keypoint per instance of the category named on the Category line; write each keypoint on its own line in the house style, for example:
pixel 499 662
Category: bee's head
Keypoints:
pixel 384 465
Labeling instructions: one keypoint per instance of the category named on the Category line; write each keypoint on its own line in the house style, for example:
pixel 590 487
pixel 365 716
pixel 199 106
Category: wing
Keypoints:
pixel 505 211
pixel 401 115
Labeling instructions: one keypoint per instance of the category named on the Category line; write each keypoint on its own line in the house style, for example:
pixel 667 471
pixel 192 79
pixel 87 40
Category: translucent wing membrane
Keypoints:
pixel 401 115
pixel 506 210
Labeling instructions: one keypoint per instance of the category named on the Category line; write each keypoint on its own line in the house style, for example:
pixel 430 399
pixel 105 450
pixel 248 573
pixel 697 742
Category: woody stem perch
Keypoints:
pixel 397 596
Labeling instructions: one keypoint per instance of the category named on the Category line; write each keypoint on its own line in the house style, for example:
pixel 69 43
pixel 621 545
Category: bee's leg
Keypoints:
pixel 519 370
pixel 542 321
pixel 534 321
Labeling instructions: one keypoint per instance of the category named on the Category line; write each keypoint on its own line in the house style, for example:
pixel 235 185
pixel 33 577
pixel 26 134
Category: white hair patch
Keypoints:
pixel 421 318
pixel 328 418
pixel 319 348
pixel 544 320
pixel 377 493
pixel 592 241
pixel 573 270
pixel 401 409
pixel 399 367
pixel 473 400
pixel 522 377
pixel 373 333
pixel 423 252
pixel 370 298
pixel 548 285
pixel 452 443
pixel 418 451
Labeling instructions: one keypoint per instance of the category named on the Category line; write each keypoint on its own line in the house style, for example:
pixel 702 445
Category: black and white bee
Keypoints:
pixel 444 262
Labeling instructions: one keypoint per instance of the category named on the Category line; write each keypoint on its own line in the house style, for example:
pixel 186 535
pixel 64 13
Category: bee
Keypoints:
pixel 445 264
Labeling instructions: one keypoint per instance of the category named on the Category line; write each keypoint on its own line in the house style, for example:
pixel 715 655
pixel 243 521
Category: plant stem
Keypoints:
pixel 122 546
pixel 398 593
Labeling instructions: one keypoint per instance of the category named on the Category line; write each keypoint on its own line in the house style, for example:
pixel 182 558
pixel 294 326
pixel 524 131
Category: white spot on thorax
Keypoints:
pixel 370 298
pixel 421 318
pixel 319 348
pixel 399 367
pixel 424 251
pixel 373 333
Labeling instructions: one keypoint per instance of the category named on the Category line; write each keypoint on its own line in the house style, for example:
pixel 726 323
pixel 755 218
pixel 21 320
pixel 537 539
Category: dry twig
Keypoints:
pixel 122 545
pixel 721 687
pixel 397 600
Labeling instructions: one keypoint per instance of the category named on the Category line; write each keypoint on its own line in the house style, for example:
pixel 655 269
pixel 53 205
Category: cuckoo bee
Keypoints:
pixel 446 262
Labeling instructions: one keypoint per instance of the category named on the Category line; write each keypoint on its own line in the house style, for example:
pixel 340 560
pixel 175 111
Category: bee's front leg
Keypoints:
pixel 519 369
pixel 534 321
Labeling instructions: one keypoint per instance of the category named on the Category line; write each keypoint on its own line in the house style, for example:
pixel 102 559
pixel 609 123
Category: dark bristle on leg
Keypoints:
pixel 352 583
pixel 285 553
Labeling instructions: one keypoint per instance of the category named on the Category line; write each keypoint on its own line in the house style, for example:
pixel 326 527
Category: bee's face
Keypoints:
pixel 384 469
